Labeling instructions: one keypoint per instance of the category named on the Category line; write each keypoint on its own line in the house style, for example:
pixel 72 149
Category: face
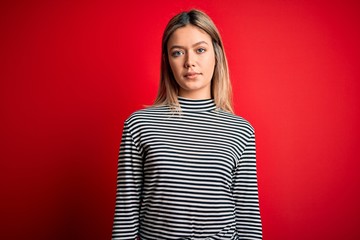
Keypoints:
pixel 192 61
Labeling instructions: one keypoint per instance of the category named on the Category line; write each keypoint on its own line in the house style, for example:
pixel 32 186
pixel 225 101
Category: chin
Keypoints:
pixel 192 88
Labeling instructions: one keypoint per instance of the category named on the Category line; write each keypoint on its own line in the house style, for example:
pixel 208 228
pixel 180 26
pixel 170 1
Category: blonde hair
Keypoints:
pixel 221 90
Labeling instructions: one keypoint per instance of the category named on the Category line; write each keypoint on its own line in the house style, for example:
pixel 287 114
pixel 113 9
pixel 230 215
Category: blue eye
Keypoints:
pixel 201 50
pixel 176 53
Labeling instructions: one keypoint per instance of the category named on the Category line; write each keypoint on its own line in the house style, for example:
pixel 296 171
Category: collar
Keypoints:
pixel 196 105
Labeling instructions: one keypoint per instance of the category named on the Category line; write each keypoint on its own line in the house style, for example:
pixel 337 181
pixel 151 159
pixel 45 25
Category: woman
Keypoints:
pixel 187 167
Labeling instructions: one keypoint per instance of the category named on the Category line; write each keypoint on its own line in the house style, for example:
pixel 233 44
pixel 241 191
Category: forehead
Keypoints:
pixel 188 35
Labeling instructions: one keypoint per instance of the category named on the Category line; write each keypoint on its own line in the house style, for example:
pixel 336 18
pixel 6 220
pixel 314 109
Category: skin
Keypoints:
pixel 192 61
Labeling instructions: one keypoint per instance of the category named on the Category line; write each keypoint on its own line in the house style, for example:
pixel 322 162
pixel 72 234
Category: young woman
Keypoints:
pixel 187 167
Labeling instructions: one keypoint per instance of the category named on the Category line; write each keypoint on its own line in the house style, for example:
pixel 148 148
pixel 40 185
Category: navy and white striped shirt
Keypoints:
pixel 187 175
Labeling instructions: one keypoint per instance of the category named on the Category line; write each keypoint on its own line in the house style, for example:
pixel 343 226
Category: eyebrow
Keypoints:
pixel 195 44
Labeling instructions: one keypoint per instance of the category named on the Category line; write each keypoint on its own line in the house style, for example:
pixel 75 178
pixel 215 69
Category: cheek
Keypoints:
pixel 210 65
pixel 174 65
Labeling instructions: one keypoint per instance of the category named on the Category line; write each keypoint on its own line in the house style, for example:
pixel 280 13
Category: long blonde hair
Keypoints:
pixel 221 90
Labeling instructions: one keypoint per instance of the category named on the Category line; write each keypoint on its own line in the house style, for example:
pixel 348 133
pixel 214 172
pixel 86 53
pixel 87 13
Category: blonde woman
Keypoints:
pixel 187 166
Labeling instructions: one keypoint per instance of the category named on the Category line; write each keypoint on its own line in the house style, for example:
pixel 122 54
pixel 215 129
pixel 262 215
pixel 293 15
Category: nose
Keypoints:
pixel 189 61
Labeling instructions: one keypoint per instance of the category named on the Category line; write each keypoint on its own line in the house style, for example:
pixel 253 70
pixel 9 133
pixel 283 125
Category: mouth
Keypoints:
pixel 191 75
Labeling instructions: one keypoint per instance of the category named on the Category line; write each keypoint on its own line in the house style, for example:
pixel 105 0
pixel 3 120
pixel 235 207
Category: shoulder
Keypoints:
pixel 237 121
pixel 148 113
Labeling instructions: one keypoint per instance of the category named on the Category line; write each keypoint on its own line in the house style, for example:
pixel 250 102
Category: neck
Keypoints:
pixel 194 95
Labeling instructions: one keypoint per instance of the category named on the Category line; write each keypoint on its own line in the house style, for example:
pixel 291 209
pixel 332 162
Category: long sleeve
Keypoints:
pixel 248 221
pixel 129 187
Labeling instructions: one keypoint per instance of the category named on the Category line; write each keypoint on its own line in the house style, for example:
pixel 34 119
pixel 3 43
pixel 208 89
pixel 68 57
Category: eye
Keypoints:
pixel 176 53
pixel 201 50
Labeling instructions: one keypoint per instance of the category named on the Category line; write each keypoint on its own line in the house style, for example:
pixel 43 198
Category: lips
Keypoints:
pixel 191 74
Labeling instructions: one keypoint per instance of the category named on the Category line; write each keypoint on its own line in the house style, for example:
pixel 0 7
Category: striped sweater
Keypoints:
pixel 187 175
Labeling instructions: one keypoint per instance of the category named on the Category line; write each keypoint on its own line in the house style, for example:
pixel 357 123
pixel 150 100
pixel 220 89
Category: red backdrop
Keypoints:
pixel 71 73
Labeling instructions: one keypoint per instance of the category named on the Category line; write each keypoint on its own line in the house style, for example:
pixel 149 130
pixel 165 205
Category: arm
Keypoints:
pixel 129 184
pixel 248 221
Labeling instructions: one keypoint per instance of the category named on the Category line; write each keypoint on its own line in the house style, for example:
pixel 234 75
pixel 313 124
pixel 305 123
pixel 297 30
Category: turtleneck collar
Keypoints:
pixel 196 105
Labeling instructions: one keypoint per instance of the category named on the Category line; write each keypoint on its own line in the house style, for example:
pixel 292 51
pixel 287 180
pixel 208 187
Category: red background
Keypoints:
pixel 71 73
